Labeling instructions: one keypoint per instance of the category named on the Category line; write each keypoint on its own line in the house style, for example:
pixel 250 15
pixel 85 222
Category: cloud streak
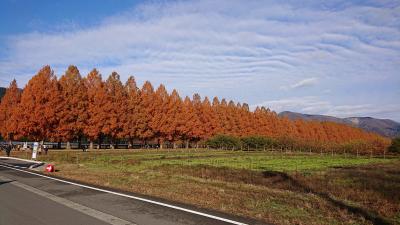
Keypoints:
pixel 302 83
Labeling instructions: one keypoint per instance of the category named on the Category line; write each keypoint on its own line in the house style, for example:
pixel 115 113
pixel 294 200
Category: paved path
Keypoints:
pixel 26 198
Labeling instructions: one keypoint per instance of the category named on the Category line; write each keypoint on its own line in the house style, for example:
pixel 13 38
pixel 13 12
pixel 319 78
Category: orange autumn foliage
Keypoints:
pixel 74 106
pixel 8 111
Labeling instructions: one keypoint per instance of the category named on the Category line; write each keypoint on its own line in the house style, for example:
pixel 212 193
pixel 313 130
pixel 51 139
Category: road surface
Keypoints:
pixel 28 198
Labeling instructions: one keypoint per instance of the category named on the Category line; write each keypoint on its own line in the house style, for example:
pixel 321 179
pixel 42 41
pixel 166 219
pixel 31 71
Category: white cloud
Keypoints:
pixel 232 48
pixel 302 83
pixel 307 104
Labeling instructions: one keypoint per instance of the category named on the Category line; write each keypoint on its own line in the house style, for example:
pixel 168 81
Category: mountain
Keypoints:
pixel 385 127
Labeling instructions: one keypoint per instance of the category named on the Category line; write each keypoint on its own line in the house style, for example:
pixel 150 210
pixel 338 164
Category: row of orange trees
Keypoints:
pixel 73 107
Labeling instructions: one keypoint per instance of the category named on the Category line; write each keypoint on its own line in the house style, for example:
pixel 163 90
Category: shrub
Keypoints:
pixel 258 142
pixel 223 141
pixel 395 147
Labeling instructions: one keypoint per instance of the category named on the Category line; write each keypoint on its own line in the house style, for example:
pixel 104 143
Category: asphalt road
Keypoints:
pixel 19 207
pixel 29 199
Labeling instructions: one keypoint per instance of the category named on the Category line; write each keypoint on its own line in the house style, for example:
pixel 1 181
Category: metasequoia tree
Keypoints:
pixel 8 111
pixel 97 99
pixel 158 122
pixel 200 130
pixel 39 108
pixel 208 121
pixel 115 108
pixel 132 125
pixel 189 126
pixel 146 112
pixel 173 118
pixel 74 106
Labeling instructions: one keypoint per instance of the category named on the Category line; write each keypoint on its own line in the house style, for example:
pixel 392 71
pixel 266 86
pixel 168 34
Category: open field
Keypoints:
pixel 281 188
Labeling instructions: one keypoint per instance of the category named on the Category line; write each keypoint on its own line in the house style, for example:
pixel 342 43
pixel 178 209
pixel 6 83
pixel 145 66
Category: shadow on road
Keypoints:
pixel 5 182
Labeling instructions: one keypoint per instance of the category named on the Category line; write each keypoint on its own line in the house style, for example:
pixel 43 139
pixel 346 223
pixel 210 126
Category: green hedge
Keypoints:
pixel 395 147
pixel 231 142
pixel 256 142
pixel 224 141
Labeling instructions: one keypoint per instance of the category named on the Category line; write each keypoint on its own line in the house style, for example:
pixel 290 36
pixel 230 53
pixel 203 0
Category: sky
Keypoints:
pixel 339 58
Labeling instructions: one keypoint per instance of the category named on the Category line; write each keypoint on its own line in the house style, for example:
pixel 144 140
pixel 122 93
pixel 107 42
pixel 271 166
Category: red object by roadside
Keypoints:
pixel 50 168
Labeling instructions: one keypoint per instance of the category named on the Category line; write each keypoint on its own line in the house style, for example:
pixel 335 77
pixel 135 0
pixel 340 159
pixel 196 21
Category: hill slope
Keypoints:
pixel 385 127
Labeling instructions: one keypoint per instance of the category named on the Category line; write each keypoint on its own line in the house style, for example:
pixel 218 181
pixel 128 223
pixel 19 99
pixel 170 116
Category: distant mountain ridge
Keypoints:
pixel 384 127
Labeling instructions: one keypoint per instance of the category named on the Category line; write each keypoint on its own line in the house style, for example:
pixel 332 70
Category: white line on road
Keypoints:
pixel 83 209
pixel 134 197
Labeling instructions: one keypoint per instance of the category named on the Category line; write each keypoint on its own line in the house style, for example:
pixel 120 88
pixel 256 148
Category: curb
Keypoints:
pixel 26 160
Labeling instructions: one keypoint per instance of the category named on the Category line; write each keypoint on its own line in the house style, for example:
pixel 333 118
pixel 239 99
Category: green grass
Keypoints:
pixel 137 161
pixel 272 162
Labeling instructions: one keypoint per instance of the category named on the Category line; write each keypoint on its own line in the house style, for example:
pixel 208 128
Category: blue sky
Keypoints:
pixel 339 58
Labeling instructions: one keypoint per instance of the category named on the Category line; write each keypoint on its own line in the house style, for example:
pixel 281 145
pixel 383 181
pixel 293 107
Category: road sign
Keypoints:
pixel 35 149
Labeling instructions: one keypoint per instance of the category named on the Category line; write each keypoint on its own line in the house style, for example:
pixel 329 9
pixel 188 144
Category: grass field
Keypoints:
pixel 281 188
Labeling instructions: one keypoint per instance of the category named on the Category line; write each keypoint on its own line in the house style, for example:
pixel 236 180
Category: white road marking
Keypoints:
pixel 83 209
pixel 134 197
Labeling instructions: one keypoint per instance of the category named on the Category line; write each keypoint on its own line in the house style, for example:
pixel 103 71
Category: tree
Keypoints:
pixel 146 112
pixel 173 118
pixel 97 99
pixel 395 146
pixel 158 121
pixel 208 120
pixel 189 126
pixel 40 106
pixel 131 127
pixel 115 108
pixel 200 130
pixel 74 105
pixel 8 110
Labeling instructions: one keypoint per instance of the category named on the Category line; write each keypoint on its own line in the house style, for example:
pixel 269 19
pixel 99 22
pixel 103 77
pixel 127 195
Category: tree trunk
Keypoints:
pixel 130 146
pixel 187 144
pixel 160 143
pixel 59 145
pixel 79 142
pixel 100 141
